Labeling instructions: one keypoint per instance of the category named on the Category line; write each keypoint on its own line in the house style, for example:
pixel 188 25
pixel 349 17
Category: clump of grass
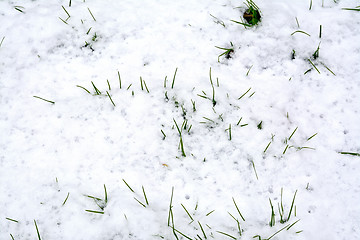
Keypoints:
pixel 228 51
pixel 251 15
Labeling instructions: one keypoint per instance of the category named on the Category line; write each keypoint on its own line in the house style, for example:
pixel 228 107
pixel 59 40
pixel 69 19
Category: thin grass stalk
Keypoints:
pixel 91 14
pixel 44 99
pixel 173 81
pixel 146 200
pixel 66 199
pixel 110 98
pixel 238 210
pixel 128 186
pixel 37 230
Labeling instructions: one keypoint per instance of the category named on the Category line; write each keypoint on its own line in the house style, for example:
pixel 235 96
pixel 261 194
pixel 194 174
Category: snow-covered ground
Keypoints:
pixel 266 128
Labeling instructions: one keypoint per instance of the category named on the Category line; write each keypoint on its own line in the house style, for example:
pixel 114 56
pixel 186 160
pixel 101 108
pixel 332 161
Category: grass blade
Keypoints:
pixel 293 133
pixel 146 200
pixel 106 196
pixel 314 66
pixel 83 88
pixel 244 94
pixel 170 206
pixel 238 210
pixel 298 31
pixel 140 202
pixel 292 205
pixel 226 234
pixel 128 186
pixel 110 98
pixel 202 230
pixel 91 14
pixel 37 230
pixel 173 82
pixel 44 99
pixel 65 11
pixel 2 41
pixel 13 220
pixel 350 153
pixel 66 199
pixel 187 212
pixel 92 211
pixel 119 79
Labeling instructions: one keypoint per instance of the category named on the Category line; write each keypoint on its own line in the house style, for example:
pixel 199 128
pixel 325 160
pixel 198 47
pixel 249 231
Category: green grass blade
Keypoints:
pixel 2 40
pixel 110 98
pixel 66 11
pixel 351 9
pixel 13 220
pixel 244 94
pixel 91 14
pixel 202 230
pixel 106 196
pixel 350 153
pixel 187 212
pixel 238 210
pixel 37 230
pixel 44 99
pixel 293 133
pixel 170 206
pixel 83 88
pixel 140 202
pixel 314 66
pixel 173 81
pixel 92 211
pixel 119 79
pixel 298 31
pixel 128 186
pixel 146 200
pixel 226 234
pixel 292 205
pixel 66 199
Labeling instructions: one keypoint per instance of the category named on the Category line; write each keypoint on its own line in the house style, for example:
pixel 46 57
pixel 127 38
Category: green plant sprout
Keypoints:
pixel 227 53
pixel 251 15
pixel 316 53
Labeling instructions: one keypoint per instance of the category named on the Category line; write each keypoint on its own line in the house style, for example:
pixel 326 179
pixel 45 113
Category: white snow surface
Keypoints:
pixel 73 148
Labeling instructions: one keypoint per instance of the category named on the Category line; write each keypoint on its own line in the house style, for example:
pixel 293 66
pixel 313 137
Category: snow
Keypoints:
pixel 83 142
